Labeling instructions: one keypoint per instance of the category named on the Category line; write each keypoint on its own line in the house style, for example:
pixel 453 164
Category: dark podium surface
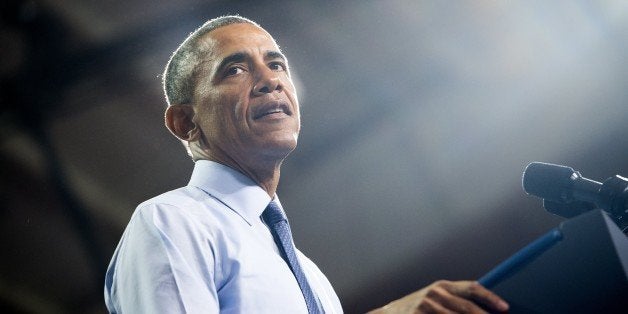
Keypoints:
pixel 579 267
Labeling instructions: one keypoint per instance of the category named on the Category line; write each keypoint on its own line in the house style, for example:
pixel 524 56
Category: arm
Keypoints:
pixel 447 297
pixel 162 265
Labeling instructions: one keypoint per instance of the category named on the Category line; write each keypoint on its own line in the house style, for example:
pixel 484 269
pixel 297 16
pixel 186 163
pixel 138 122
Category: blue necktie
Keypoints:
pixel 278 224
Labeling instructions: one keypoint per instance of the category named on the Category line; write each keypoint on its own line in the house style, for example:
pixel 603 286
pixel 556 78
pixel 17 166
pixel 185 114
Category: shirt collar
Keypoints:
pixel 232 188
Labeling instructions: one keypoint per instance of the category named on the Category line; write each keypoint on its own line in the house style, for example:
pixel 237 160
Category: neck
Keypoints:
pixel 267 177
pixel 265 171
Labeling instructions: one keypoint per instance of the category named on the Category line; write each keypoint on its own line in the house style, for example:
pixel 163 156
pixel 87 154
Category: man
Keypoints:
pixel 213 245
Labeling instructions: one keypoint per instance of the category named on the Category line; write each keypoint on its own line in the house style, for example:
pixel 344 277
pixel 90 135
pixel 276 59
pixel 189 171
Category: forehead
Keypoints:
pixel 241 37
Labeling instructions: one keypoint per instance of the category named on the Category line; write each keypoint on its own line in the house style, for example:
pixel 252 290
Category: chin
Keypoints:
pixel 281 148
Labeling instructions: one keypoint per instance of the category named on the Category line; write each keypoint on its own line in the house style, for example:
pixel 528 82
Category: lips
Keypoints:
pixel 270 108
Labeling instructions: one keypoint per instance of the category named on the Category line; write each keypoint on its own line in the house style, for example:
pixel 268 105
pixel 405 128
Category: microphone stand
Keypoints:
pixel 613 200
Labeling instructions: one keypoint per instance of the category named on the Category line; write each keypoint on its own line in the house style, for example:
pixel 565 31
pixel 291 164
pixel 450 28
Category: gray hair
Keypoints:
pixel 178 77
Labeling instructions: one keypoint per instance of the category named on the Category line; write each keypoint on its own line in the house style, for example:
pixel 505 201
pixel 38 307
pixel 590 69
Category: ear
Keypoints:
pixel 179 120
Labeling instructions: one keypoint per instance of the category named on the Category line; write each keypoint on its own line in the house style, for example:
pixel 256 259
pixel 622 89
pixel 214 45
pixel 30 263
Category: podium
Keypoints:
pixel 579 267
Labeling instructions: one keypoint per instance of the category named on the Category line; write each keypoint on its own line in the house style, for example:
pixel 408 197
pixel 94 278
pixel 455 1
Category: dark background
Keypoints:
pixel 418 120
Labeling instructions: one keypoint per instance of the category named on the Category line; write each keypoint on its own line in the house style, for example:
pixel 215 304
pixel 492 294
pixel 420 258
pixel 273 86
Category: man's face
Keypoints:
pixel 244 100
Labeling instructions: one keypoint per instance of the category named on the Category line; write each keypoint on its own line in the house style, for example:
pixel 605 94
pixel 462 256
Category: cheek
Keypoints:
pixel 291 91
pixel 209 116
pixel 205 121
pixel 238 110
pixel 297 109
pixel 233 111
pixel 295 101
pixel 290 86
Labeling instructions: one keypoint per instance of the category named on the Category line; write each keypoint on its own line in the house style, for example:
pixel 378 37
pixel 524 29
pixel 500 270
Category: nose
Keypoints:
pixel 268 81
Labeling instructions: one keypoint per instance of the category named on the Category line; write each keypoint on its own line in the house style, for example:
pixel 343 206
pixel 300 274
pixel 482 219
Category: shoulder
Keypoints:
pixel 183 208
pixel 177 220
pixel 182 197
pixel 164 258
pixel 185 200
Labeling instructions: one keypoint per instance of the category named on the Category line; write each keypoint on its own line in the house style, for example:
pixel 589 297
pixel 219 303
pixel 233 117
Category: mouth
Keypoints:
pixel 271 109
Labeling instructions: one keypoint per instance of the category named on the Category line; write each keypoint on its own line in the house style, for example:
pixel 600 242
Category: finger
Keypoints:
pixel 474 291
pixel 428 306
pixel 452 302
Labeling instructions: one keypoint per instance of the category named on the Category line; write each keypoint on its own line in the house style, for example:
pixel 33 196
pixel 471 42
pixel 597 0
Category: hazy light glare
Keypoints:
pixel 537 82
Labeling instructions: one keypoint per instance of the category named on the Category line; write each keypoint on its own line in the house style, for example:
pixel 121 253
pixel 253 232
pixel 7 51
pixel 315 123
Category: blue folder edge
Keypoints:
pixel 521 258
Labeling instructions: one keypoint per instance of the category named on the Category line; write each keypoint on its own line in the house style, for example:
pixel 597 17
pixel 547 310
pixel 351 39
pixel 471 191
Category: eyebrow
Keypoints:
pixel 234 57
pixel 241 56
pixel 272 54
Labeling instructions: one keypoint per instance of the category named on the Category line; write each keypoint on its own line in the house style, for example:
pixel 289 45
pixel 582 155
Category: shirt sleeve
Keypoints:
pixel 163 264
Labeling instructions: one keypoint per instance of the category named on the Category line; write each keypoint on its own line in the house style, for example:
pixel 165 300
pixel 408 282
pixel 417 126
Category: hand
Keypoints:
pixel 447 297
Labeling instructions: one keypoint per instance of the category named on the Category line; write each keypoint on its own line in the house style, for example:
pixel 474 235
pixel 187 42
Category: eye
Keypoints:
pixel 277 66
pixel 234 70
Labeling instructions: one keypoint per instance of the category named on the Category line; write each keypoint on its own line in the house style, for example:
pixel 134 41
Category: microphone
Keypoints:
pixel 562 187
pixel 559 183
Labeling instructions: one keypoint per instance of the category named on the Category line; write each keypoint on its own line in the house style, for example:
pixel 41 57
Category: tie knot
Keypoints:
pixel 273 214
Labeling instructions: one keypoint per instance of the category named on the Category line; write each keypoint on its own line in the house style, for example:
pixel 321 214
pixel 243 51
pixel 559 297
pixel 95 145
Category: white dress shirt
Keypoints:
pixel 204 248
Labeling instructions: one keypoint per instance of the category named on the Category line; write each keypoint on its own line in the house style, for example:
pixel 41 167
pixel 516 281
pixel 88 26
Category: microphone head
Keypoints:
pixel 549 181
